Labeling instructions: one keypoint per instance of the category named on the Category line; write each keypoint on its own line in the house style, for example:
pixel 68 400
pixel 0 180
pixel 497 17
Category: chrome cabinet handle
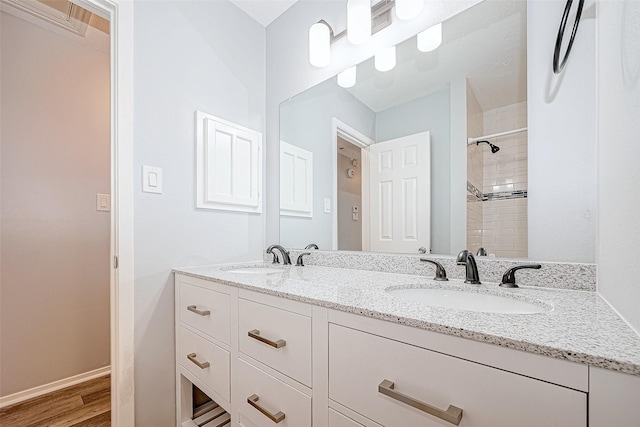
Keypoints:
pixel 193 309
pixel 276 418
pixel 201 365
pixel 453 414
pixel 255 334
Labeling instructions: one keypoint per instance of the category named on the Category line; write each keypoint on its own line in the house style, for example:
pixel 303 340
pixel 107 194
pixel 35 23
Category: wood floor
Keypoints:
pixel 83 405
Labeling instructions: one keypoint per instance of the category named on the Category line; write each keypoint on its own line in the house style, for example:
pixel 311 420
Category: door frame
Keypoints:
pixel 346 132
pixel 120 16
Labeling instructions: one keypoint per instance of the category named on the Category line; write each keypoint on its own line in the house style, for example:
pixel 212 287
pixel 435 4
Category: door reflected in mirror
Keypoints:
pixel 395 163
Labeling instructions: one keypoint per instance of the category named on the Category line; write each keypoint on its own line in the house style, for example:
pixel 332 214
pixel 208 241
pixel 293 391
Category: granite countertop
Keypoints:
pixel 579 326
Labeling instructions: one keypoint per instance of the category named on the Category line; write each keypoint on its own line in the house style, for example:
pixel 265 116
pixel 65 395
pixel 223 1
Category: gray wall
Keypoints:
pixel 430 113
pixel 619 155
pixel 306 122
pixel 54 282
pixel 188 56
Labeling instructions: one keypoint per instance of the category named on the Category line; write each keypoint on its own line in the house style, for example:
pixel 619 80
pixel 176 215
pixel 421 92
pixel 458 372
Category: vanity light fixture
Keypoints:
pixel 347 78
pixel 320 44
pixel 408 9
pixel 430 38
pixel 358 21
pixel 385 58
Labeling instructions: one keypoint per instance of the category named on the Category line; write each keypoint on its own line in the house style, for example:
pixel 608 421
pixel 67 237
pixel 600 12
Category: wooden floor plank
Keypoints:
pixel 102 420
pixel 85 404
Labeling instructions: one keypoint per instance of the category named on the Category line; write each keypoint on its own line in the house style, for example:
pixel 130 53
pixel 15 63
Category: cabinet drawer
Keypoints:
pixel 205 360
pixel 205 310
pixel 336 419
pixel 288 336
pixel 360 363
pixel 271 399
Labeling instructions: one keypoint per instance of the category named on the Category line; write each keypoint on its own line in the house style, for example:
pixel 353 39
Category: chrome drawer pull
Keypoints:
pixel 201 365
pixel 453 414
pixel 255 334
pixel 198 312
pixel 276 418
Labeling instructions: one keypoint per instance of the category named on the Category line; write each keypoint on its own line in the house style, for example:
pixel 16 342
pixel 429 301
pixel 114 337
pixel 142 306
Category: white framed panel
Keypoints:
pixel 229 165
pixel 296 181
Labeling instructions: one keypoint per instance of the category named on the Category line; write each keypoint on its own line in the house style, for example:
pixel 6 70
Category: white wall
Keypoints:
pixel 562 138
pixel 188 56
pixel 306 122
pixel 54 285
pixel 619 155
pixel 289 71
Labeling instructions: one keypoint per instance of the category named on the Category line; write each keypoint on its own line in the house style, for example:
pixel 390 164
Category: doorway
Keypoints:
pixel 57 223
pixel 120 150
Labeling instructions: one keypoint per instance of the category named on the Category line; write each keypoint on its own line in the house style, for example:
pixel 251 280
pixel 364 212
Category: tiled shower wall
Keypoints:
pixel 500 226
pixel 505 221
pixel 474 173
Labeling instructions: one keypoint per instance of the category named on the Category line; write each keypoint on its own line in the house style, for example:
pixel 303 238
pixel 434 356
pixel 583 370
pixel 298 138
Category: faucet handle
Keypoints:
pixel 299 261
pixel 276 260
pixel 441 274
pixel 509 277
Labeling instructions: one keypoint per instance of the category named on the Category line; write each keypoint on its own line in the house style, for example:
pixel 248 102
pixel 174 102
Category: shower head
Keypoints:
pixel 494 148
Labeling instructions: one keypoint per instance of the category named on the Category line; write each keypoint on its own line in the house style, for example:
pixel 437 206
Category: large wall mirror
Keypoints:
pixel 370 167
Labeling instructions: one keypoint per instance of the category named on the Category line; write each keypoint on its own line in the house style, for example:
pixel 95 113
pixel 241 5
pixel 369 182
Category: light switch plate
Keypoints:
pixel 327 205
pixel 151 179
pixel 103 202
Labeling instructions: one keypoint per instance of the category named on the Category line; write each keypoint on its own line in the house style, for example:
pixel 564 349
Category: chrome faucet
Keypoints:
pixel 467 259
pixel 312 246
pixel 285 254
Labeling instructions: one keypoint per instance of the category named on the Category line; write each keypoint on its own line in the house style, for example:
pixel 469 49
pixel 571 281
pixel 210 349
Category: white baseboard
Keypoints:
pixel 54 386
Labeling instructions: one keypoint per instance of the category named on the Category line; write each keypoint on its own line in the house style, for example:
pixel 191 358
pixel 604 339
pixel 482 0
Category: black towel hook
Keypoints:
pixel 557 65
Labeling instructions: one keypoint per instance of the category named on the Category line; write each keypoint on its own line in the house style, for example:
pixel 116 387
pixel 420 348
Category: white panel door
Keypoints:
pixel 229 165
pixel 296 181
pixel 400 199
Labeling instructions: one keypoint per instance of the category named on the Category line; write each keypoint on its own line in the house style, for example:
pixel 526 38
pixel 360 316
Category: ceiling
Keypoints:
pixel 264 11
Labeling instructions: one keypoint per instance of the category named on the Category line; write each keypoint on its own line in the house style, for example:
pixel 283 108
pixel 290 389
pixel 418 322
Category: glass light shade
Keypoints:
pixel 430 38
pixel 358 21
pixel 347 78
pixel 319 45
pixel 385 59
pixel 408 9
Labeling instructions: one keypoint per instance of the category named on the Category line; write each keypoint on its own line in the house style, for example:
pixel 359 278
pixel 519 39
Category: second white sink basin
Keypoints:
pixel 470 301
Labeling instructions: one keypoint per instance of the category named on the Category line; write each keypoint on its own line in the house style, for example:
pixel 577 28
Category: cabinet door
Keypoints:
pixel 205 310
pixel 292 356
pixel 205 360
pixel 263 400
pixel 392 383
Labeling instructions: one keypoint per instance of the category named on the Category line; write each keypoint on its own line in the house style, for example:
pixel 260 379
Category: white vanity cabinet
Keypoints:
pixel 270 361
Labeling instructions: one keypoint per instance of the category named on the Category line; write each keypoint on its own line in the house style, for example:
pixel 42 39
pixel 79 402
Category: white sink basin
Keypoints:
pixel 470 301
pixel 254 270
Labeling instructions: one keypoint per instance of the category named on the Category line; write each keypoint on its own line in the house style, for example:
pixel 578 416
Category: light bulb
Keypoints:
pixel 408 9
pixel 385 59
pixel 430 38
pixel 319 44
pixel 358 21
pixel 347 78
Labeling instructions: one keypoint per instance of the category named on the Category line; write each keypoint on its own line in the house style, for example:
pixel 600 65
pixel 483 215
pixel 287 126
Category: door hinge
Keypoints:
pixel 115 261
